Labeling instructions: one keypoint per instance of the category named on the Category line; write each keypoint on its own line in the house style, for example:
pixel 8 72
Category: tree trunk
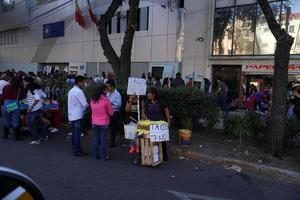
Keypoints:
pixel 279 101
pixel 126 48
pixel 280 80
pixel 121 65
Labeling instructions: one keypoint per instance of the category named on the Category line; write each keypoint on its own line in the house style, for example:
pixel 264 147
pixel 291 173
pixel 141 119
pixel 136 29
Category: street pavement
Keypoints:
pixel 65 177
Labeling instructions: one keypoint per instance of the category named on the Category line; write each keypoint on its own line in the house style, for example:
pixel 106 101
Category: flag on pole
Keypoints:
pixel 78 15
pixel 93 17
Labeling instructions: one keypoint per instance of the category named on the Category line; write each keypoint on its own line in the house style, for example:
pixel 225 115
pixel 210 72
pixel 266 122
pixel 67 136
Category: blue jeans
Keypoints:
pixel 222 103
pixel 35 122
pixel 11 118
pixel 76 132
pixel 99 147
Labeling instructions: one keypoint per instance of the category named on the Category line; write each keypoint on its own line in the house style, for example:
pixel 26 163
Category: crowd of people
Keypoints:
pixel 23 100
pixel 27 99
pixel 36 101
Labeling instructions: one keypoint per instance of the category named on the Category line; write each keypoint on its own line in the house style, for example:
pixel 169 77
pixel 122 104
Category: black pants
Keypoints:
pixel 165 151
pixel 114 121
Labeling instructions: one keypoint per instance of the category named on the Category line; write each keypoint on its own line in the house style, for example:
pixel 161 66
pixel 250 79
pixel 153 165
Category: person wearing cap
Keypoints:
pixel 116 101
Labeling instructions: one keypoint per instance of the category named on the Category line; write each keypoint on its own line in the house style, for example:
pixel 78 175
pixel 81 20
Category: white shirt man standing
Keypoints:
pixel 77 104
pixel 116 101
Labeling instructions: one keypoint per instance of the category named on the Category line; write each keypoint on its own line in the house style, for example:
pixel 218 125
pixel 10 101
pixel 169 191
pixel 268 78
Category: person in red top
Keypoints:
pixel 12 93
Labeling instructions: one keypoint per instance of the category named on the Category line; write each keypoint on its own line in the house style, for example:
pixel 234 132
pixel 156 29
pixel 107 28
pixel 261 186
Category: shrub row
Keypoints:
pixel 186 105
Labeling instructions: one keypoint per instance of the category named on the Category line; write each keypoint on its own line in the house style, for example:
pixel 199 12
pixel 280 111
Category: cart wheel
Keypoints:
pixel 135 161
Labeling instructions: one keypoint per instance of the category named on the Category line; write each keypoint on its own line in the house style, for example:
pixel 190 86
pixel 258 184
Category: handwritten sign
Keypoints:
pixel 159 133
pixel 136 86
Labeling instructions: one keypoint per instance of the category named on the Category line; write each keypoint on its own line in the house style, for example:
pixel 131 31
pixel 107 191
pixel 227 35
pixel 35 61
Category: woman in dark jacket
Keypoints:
pixel 155 109
pixel 12 93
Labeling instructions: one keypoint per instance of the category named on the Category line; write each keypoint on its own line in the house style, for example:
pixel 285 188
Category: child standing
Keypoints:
pixel 132 116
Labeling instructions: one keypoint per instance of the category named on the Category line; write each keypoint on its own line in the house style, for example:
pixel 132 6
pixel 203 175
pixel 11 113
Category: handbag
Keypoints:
pixel 14 105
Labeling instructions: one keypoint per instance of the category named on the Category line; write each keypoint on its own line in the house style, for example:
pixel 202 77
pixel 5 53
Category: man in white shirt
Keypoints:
pixel 77 104
pixel 116 101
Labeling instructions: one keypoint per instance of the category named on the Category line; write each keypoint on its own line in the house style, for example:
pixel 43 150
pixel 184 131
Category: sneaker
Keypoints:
pixel 35 142
pixel 137 149
pixel 131 149
pixel 54 130
pixel 51 128
pixel 82 135
pixel 45 138
pixel 70 134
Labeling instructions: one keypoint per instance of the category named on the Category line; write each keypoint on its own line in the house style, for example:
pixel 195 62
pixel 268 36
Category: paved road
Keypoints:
pixel 62 176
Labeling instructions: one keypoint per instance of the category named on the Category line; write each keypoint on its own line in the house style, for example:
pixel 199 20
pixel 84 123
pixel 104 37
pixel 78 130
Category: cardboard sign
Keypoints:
pixel 159 133
pixel 136 86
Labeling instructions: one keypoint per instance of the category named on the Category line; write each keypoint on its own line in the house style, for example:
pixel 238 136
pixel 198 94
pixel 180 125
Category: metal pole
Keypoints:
pixel 138 105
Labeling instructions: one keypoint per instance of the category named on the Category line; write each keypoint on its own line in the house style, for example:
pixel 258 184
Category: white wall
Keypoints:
pixel 197 20
pixel 158 44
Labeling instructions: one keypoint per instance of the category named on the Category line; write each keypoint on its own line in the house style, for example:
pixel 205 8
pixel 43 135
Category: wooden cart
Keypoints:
pixel 151 153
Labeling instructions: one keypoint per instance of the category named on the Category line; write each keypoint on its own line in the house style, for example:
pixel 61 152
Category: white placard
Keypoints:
pixel 159 133
pixel 136 86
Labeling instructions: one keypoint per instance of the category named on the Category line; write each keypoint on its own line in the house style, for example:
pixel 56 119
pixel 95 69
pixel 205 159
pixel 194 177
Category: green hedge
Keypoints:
pixel 186 105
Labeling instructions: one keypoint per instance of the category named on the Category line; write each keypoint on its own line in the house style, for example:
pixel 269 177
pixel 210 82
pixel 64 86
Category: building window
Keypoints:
pixel 123 21
pixel 263 34
pixel 243 30
pixel 143 19
pixel 118 24
pixel 292 29
pixel 8 37
pixel 223 30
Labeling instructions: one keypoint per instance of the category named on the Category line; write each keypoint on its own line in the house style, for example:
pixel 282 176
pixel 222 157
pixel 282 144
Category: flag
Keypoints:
pixel 93 17
pixel 78 16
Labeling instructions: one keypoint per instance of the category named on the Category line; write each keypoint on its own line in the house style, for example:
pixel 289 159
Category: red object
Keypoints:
pixel 132 149
pixel 11 95
pixel 55 117
pixel 137 149
pixel 93 17
pixel 78 16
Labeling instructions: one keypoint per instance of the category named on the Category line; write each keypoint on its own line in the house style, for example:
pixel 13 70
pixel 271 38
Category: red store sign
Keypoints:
pixel 267 68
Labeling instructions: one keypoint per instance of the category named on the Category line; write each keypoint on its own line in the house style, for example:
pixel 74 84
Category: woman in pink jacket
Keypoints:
pixel 101 111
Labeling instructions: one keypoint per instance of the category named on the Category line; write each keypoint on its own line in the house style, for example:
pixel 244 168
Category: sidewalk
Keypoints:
pixel 224 152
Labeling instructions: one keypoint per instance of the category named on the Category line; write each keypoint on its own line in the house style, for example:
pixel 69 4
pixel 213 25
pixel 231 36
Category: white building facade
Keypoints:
pixel 230 39
pixel 226 39
pixel 23 45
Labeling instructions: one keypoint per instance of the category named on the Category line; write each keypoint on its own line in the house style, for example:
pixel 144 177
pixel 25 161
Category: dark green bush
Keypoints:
pixel 184 103
pixel 187 104
pixel 293 131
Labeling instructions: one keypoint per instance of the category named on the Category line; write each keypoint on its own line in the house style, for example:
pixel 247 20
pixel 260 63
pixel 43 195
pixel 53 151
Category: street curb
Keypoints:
pixel 284 174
